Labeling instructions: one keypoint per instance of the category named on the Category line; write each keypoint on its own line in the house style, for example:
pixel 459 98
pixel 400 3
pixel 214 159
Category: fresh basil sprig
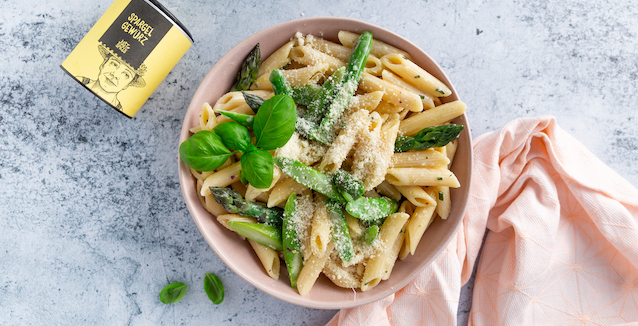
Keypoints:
pixel 274 124
pixel 204 151
pixel 173 292
pixel 275 121
pixel 214 288
pixel 257 166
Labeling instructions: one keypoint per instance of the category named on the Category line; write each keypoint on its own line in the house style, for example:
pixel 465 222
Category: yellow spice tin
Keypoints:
pixel 128 52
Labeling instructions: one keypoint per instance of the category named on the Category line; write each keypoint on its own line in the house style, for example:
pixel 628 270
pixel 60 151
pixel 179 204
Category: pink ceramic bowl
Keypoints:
pixel 237 253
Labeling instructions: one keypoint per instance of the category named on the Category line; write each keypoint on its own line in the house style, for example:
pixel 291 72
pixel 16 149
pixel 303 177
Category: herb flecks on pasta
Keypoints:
pixel 361 147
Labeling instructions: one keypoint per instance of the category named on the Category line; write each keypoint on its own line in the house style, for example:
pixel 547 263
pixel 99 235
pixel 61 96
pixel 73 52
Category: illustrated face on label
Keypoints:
pixel 115 75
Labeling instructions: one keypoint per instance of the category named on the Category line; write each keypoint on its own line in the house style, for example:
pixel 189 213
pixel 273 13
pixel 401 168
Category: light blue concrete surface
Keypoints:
pixel 92 221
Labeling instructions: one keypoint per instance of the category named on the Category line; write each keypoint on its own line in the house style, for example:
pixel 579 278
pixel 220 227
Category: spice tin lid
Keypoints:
pixel 128 52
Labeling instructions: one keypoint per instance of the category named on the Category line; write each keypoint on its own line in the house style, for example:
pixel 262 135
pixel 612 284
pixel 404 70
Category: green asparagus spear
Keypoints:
pixel 253 101
pixel 306 95
pixel 243 119
pixel 316 112
pixel 437 136
pixel 372 208
pixel 359 57
pixel 305 127
pixel 370 234
pixel 344 92
pixel 233 202
pixel 249 69
pixel 309 177
pixel 348 186
pixel 267 235
pixel 291 242
pixel 340 233
pixel 279 83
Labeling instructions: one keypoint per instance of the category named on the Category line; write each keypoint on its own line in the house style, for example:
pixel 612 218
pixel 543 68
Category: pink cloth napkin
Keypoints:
pixel 562 246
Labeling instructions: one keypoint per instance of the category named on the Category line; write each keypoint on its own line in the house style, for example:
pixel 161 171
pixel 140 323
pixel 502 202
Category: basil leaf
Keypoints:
pixel 214 288
pixel 235 136
pixel 275 121
pixel 204 151
pixel 242 177
pixel 173 292
pixel 257 166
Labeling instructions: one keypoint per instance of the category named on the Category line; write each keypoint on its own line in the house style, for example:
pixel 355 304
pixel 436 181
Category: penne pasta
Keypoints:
pixel 277 60
pixel 428 158
pixel 320 232
pixel 282 190
pixel 268 258
pixel 443 203
pixel 434 117
pixel 207 119
pixel 426 98
pixel 422 177
pixel 379 167
pixel 415 75
pixel 368 101
pixel 417 196
pixel 394 253
pixel 341 276
pixel 306 55
pixel 222 178
pixel 451 150
pixel 373 66
pixel 419 221
pixel 378 266
pixel 199 175
pixel 392 93
pixel 379 48
pixel 311 270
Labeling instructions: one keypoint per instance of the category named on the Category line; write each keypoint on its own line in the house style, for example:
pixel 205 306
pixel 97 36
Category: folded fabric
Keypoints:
pixel 561 245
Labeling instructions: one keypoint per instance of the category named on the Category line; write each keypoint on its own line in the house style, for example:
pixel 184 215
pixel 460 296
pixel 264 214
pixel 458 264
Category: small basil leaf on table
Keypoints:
pixel 257 165
pixel 214 288
pixel 275 121
pixel 235 136
pixel 173 292
pixel 204 151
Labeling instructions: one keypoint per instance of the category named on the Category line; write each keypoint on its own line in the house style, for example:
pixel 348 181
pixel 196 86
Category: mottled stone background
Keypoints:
pixel 93 223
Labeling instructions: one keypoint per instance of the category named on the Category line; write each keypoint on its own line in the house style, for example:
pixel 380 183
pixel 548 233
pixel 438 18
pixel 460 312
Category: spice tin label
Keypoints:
pixel 128 53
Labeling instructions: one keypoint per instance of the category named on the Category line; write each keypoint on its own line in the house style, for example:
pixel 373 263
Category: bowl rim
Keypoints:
pixel 184 172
